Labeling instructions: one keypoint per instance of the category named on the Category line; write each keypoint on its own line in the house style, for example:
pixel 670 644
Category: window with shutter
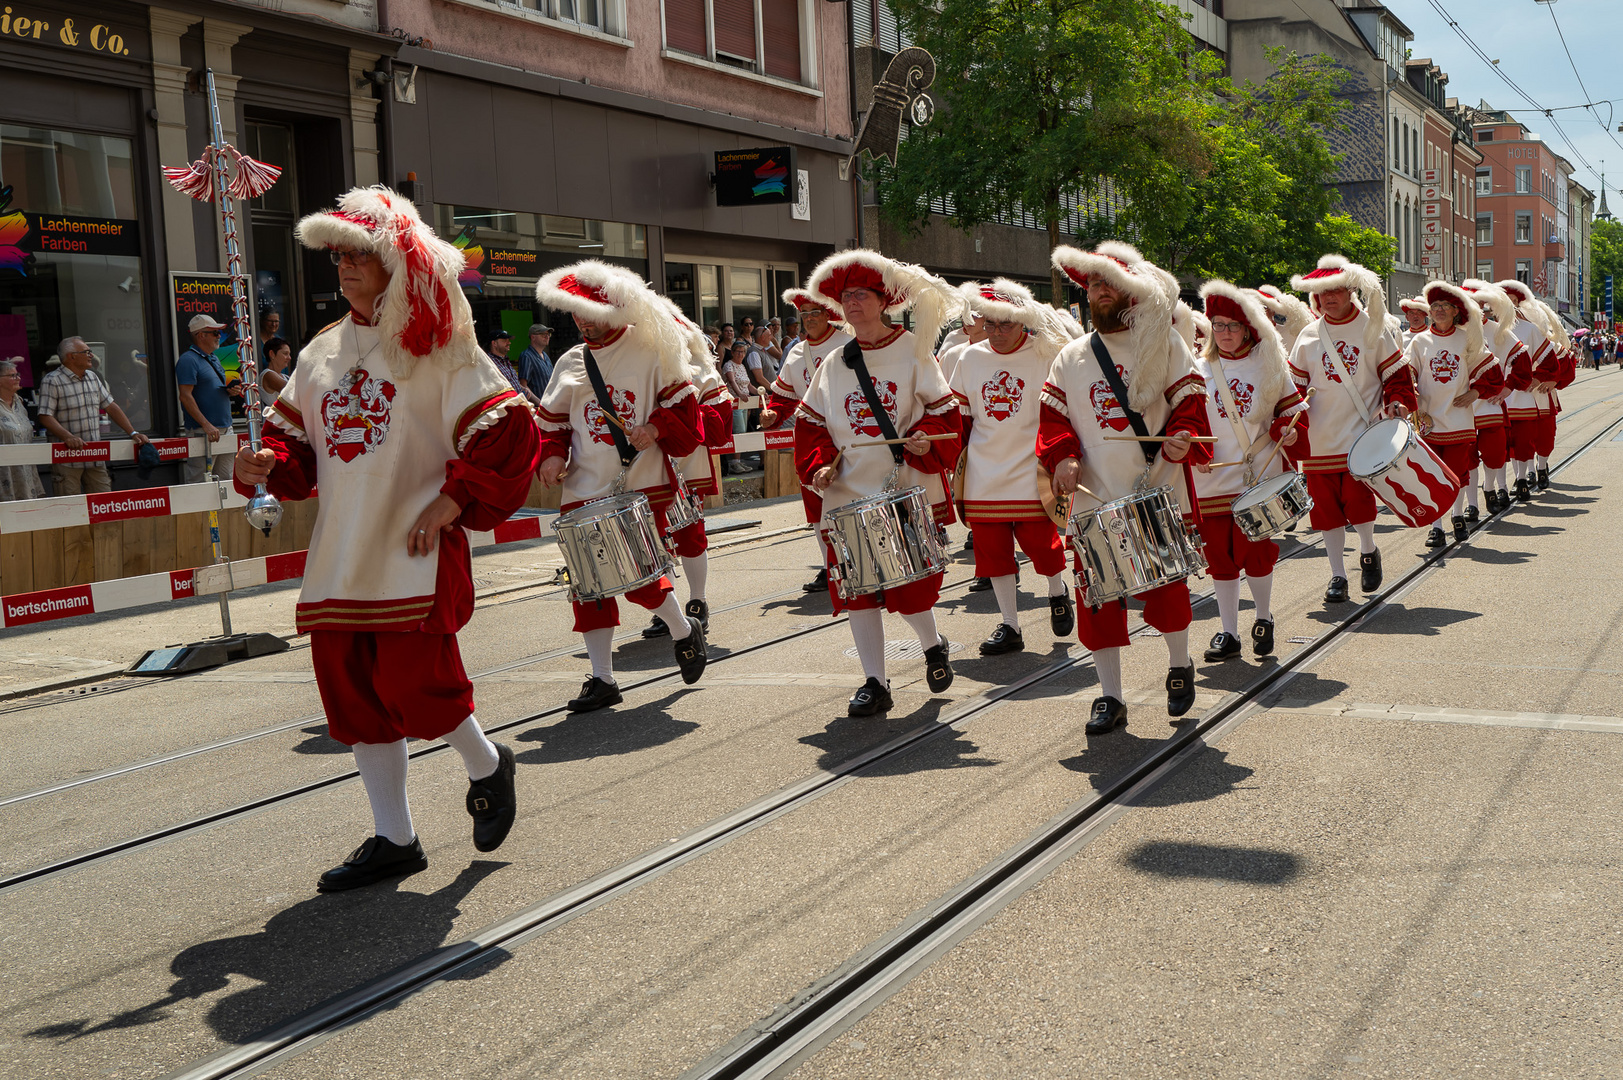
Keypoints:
pixel 890 37
pixel 684 26
pixel 735 30
pixel 780 32
pixel 861 23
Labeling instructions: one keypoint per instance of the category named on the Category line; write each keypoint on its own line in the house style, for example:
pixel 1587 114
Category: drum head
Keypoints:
pixel 598 509
pixel 1266 490
pixel 1377 448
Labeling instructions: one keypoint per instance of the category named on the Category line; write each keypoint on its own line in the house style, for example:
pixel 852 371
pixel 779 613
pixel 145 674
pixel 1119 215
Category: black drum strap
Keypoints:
pixel 606 403
pixel 1119 388
pixel 853 360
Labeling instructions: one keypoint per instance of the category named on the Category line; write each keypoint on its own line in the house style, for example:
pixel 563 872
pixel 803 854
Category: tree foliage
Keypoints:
pixel 1606 257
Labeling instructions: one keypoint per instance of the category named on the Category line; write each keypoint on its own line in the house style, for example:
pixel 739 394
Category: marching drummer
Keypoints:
pixel 1251 405
pixel 883 385
pixel 1453 369
pixel 1530 372
pixel 1132 376
pixel 1498 317
pixel 997 384
pixel 822 340
pixel 1353 361
pixel 627 389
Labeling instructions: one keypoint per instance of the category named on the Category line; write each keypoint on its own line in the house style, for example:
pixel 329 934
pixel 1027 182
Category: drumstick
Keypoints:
pixel 1159 438
pixel 893 442
pixel 1269 460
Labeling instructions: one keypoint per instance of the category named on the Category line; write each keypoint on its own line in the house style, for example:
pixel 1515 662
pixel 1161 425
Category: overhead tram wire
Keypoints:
pixel 1575 74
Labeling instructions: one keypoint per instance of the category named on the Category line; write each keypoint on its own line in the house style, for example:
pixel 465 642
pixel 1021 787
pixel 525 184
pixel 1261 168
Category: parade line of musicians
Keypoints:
pixel 1018 423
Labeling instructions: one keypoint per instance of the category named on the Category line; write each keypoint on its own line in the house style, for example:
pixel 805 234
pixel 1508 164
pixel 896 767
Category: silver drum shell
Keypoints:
pixel 1267 509
pixel 1132 545
pixel 883 541
pixel 611 546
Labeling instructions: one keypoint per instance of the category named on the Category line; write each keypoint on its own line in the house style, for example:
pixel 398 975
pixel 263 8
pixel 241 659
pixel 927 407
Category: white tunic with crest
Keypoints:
pixel 1440 376
pixel 1000 394
pixel 1336 420
pixel 1246 377
pixel 804 358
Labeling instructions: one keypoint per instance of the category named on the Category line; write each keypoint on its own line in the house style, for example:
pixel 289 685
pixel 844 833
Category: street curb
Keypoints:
pixel 78 678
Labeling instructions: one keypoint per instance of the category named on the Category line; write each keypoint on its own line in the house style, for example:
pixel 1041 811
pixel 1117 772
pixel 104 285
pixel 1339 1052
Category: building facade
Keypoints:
pixel 1449 159
pixel 1522 216
pixel 1579 250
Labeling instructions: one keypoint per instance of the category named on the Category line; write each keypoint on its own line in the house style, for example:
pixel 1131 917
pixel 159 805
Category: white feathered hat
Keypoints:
pixel 1225 300
pixel 423 311
pixel 1491 298
pixel 1149 318
pixel 1416 304
pixel 1003 300
pixel 698 344
pixel 1337 272
pixel 805 298
pixel 614 296
pixel 903 287
pixel 1282 305
pixel 1469 317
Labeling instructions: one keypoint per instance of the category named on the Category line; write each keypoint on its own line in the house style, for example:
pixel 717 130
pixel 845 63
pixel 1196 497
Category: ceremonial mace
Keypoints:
pixel 221 176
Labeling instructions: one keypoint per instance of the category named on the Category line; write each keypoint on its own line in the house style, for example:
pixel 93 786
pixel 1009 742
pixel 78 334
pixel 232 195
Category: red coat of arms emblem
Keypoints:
pixel 1349 356
pixel 1444 366
pixel 1244 393
pixel 1107 411
pixel 625 407
pixel 356 418
pixel 861 417
pixel 1002 395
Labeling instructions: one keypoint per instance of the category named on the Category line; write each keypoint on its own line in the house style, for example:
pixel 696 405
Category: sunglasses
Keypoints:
pixel 357 258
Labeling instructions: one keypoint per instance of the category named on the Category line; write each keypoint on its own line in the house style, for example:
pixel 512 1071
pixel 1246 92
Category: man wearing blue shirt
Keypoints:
pixel 534 365
pixel 204 397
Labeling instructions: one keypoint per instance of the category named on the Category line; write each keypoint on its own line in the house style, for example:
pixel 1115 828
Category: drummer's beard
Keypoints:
pixel 1107 314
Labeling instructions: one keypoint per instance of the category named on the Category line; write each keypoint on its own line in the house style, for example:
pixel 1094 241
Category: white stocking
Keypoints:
pixel 1228 605
pixel 1107 663
pixel 1496 478
pixel 923 625
pixel 1178 648
pixel 1056 585
pixel 383 772
pixel 1262 594
pixel 697 571
pixel 868 631
pixel 600 651
pixel 1366 537
pixel 1472 489
pixel 1008 600
pixel 478 753
pixel 1520 468
pixel 1335 544
pixel 1543 463
pixel 1459 500
pixel 675 618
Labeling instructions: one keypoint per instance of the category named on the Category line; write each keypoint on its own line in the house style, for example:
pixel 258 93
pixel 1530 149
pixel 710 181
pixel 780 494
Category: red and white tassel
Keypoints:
pixel 195 179
pixel 252 178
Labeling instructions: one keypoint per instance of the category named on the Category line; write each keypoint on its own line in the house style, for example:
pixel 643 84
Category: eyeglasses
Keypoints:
pixel 1001 327
pixel 357 258
pixel 1227 327
pixel 854 294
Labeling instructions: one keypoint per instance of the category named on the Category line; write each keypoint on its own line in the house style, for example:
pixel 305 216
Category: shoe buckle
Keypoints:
pixel 481 804
pixel 1175 684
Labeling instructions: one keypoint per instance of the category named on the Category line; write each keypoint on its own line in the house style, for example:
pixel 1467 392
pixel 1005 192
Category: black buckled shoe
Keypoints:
pixel 937 669
pixel 1224 646
pixel 1544 479
pixel 699 610
pixel 818 583
pixel 871 697
pixel 493 803
pixel 1181 690
pixel 1434 539
pixel 1262 637
pixel 1336 592
pixel 374 861
pixel 595 694
pixel 980 584
pixel 1106 716
pixel 1523 494
pixel 1062 615
pixel 1005 639
pixel 1369 571
pixel 690 654
pixel 1473 515
pixel 656 629
pixel 1460 531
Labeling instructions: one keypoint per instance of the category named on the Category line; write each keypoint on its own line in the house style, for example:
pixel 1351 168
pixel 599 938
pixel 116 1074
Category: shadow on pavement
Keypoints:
pixel 1423 621
pixel 847 737
pixel 617 730
pixel 319 742
pixel 815 603
pixel 305 955
pixel 1489 557
pixel 1108 757
pixel 1253 866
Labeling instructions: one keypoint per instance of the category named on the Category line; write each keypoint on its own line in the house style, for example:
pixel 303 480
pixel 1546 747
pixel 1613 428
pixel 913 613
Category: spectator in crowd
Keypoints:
pixel 534 364
pixel 791 333
pixel 277 359
pixel 270 325
pixel 501 343
pixel 736 374
pixel 71 401
pixel 16 481
pixel 725 344
pixel 763 367
pixel 713 334
pixel 205 399
pixel 746 328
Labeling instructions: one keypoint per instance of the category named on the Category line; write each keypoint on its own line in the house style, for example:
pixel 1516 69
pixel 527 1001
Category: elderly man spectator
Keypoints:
pixel 735 374
pixel 205 397
pixel 534 364
pixel 763 365
pixel 71 401
pixel 16 481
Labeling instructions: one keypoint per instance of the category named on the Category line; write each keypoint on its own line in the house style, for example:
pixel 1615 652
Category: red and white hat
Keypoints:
pixel 1491 298
pixel 423 311
pixel 902 286
pixel 1469 316
pixel 1338 272
pixel 1225 300
pixel 1002 300
pixel 1297 316
pixel 1415 304
pixel 805 299
pixel 1149 318
pixel 614 296
pixel 1518 292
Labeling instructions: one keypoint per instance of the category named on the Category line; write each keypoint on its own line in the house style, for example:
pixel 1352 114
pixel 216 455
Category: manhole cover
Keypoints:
pixel 902 650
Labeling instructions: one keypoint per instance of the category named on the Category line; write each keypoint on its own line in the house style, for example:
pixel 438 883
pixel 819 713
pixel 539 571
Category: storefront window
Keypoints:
pixel 70 260
pixel 508 252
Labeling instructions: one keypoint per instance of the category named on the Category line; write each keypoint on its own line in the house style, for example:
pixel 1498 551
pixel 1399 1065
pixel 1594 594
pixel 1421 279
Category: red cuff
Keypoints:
pixel 1056 439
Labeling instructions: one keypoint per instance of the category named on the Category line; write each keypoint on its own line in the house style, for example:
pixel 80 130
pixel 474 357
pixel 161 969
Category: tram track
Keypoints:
pixel 782 1040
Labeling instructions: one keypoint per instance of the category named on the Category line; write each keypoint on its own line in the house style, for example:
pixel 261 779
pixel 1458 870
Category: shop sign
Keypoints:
pixel 193 294
pixel 511 263
pixel 37 24
pixel 24 234
pixel 1431 210
pixel 757 177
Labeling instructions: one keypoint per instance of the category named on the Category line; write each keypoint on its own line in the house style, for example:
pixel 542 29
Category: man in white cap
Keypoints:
pixel 894 368
pixel 205 397
pixel 1250 404
pixel 1353 361
pixel 997 383
pixel 821 339
pixel 1151 383
pixel 623 402
pixel 413 437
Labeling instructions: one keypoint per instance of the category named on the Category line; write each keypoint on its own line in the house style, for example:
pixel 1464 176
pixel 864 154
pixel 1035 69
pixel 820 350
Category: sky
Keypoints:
pixel 1522 37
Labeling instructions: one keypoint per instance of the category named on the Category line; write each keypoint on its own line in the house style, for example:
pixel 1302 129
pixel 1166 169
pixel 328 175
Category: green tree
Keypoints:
pixel 1041 98
pixel 1606 257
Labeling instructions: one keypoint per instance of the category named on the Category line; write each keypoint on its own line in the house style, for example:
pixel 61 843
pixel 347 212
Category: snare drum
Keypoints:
pixel 1405 474
pixel 611 547
pixel 1269 508
pixel 685 509
pixel 1133 545
pixel 883 541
